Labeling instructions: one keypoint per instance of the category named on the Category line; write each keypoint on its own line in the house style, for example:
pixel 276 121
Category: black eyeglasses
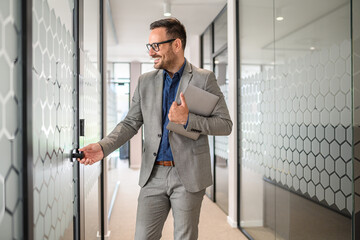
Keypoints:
pixel 155 46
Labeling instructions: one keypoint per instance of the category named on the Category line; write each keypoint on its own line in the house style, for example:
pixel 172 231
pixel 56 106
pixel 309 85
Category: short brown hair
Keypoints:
pixel 174 28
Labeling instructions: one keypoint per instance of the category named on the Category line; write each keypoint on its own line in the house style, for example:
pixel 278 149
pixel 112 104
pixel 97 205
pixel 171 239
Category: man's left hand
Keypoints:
pixel 179 113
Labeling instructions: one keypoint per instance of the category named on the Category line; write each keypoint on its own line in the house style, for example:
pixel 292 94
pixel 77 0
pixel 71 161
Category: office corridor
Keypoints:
pixel 290 74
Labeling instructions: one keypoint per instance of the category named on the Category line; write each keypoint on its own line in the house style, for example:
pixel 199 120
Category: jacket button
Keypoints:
pixel 159 135
pixel 154 154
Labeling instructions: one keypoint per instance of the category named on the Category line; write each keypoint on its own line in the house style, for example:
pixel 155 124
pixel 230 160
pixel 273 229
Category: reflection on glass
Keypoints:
pixel 256 202
pixel 221 142
pixel 296 133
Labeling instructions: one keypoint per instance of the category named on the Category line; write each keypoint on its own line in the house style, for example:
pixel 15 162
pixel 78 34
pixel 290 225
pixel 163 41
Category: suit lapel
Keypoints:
pixel 184 81
pixel 159 82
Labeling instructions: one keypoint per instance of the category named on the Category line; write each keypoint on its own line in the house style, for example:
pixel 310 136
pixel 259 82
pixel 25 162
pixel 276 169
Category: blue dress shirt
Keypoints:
pixel 169 93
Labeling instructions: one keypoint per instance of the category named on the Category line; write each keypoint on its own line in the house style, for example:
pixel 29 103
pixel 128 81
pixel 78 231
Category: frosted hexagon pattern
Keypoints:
pixel 356 161
pixel 11 199
pixel 307 125
pixel 53 59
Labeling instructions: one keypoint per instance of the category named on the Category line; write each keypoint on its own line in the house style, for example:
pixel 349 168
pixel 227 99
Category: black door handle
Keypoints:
pixel 76 154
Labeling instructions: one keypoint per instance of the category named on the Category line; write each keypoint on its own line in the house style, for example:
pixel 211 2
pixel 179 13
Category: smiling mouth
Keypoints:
pixel 156 60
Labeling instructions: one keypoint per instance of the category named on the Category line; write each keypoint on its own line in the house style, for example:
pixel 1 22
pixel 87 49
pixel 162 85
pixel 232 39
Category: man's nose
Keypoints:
pixel 152 52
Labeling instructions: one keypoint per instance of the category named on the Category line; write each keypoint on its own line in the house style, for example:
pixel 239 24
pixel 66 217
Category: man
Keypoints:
pixel 175 170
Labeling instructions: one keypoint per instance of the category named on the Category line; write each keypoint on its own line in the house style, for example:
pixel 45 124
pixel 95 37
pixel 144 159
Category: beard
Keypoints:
pixel 165 61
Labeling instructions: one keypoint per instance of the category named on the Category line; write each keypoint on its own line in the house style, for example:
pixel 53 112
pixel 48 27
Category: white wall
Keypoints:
pixel 192 50
pixel 231 9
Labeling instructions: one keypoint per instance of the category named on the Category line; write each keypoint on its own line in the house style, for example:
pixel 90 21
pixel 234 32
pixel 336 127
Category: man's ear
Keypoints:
pixel 178 45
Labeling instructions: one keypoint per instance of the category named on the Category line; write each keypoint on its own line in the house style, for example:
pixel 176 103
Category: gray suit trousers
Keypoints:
pixel 162 192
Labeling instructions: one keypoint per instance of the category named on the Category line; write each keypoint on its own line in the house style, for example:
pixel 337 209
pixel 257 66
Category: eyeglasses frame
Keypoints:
pixel 152 45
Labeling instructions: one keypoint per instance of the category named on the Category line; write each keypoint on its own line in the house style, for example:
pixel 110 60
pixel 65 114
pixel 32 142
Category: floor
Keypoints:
pixel 213 224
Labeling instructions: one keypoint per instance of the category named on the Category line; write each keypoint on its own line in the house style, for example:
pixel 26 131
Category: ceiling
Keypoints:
pixel 132 19
pixel 307 24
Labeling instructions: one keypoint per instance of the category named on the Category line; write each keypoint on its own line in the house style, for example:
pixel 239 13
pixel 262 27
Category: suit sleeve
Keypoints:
pixel 219 123
pixel 127 128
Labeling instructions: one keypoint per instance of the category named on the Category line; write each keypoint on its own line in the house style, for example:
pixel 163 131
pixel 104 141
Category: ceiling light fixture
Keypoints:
pixel 167 8
pixel 279 16
pixel 312 48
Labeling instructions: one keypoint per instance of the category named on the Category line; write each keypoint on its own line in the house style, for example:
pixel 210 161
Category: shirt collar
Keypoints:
pixel 179 73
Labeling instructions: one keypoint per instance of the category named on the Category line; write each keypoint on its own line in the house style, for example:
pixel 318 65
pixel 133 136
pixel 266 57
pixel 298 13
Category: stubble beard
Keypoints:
pixel 165 64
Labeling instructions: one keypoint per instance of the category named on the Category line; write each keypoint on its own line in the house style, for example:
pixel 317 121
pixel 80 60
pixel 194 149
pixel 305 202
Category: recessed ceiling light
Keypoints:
pixel 312 48
pixel 280 18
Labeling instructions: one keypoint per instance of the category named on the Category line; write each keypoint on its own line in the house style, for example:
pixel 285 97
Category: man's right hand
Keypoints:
pixel 93 153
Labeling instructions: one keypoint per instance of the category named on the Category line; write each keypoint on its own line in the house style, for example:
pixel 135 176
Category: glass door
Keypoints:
pixel 221 142
pixel 90 107
pixel 295 119
pixel 207 50
pixel 11 123
pixel 255 128
pixel 314 168
pixel 54 105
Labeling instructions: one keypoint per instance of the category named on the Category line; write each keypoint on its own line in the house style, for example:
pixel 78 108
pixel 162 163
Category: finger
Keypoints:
pixel 183 102
pixel 174 105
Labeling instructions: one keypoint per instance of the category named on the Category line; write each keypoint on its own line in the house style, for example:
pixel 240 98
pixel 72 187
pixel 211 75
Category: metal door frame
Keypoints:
pixel 79 5
pixel 27 114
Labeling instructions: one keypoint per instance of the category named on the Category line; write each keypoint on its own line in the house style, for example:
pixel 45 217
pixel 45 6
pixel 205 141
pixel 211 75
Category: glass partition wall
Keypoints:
pixel 11 124
pixel 295 119
pixel 214 57
pixel 90 111
pixel 356 116
pixel 206 63
pixel 54 103
pixel 39 106
pixel 221 146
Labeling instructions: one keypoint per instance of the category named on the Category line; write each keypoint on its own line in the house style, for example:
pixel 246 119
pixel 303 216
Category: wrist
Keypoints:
pixel 186 120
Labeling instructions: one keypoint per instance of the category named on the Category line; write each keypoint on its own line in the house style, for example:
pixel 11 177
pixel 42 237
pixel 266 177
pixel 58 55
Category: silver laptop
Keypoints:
pixel 199 102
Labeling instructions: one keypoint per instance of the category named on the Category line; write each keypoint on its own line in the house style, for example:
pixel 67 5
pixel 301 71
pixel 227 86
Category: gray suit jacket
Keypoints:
pixel 191 157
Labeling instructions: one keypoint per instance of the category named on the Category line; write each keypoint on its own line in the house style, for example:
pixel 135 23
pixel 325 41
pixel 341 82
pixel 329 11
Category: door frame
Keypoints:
pixel 27 115
pixel 103 165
